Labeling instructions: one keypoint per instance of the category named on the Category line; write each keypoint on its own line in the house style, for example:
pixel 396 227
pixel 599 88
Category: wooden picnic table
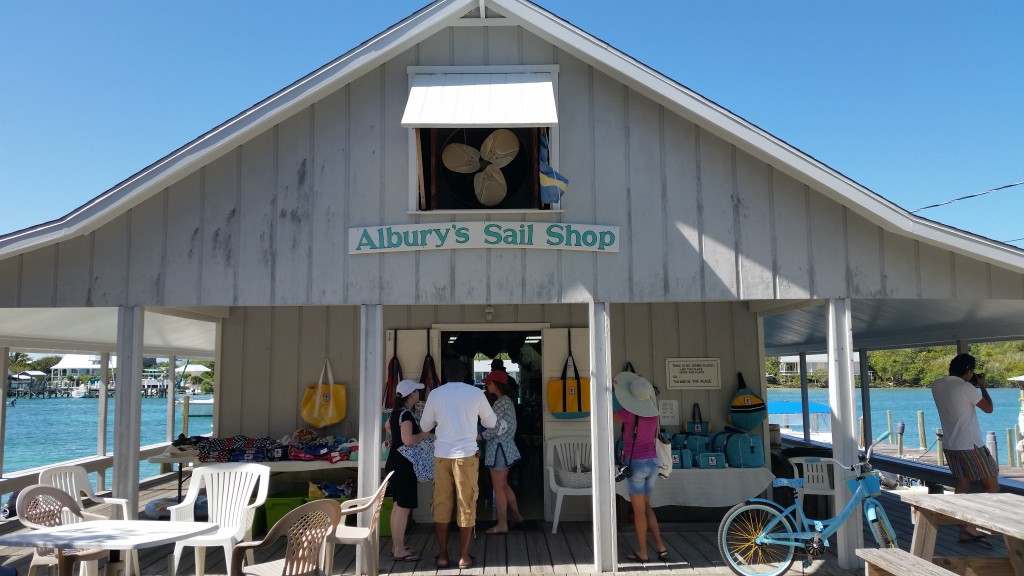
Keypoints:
pixel 1000 514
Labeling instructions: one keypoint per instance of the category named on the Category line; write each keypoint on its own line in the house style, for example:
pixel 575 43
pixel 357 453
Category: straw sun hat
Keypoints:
pixel 635 394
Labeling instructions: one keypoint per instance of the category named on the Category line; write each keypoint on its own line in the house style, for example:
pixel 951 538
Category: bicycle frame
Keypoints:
pixel 808 528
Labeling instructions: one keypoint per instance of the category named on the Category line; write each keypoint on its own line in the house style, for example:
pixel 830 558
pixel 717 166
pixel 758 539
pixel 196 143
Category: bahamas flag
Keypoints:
pixel 552 184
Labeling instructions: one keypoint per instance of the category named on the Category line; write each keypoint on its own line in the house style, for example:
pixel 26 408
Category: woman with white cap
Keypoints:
pixel 639 416
pixel 403 487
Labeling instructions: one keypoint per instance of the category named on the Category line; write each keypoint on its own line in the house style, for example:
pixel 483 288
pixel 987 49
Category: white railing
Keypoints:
pixel 21 479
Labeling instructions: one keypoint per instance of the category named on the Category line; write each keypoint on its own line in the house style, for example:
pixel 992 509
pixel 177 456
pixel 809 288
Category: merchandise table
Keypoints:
pixel 106 535
pixel 179 460
pixel 706 488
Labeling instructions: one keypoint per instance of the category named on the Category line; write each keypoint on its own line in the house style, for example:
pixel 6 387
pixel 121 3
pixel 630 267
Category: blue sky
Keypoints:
pixel 920 101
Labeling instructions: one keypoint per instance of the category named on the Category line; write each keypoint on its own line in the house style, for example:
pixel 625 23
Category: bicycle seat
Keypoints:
pixel 795 483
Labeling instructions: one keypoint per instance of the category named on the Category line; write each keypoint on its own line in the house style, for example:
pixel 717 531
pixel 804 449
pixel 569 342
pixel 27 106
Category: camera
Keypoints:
pixel 974 379
pixel 623 472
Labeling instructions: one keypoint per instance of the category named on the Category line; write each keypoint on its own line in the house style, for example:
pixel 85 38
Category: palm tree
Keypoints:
pixel 18 362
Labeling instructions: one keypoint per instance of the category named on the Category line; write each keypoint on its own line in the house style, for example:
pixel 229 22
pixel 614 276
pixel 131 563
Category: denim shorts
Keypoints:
pixel 644 473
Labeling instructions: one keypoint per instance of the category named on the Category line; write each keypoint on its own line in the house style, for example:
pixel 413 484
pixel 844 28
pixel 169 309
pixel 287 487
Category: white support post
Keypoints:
pixel 805 402
pixel 605 534
pixel 172 362
pixel 371 375
pixel 5 365
pixel 128 405
pixel 865 397
pixel 101 418
pixel 844 421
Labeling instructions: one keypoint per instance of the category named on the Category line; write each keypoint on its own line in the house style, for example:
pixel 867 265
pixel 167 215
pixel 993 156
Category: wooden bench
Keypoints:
pixel 896 562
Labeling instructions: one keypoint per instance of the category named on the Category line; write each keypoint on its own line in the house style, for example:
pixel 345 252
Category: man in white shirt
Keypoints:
pixel 956 397
pixel 454 409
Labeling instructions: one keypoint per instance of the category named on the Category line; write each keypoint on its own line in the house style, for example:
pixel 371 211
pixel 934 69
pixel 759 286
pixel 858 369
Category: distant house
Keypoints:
pixel 790 365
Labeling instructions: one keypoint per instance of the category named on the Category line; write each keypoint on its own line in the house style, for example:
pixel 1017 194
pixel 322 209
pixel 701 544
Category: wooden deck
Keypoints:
pixel 534 550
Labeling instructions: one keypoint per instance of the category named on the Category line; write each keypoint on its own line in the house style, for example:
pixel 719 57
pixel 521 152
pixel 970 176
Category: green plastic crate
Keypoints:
pixel 276 507
pixel 385 517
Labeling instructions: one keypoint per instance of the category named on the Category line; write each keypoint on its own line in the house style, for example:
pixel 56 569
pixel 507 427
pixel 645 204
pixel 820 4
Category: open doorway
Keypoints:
pixel 520 352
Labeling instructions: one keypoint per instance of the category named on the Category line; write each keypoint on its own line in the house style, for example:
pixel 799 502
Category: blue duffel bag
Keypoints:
pixel 744 450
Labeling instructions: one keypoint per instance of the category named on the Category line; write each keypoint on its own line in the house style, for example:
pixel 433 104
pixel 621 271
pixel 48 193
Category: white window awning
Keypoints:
pixel 463 100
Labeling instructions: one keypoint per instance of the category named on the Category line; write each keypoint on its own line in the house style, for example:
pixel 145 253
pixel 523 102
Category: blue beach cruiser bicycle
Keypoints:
pixel 759 537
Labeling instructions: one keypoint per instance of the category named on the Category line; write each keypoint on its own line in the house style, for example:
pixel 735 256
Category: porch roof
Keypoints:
pixel 880 324
pixel 94 330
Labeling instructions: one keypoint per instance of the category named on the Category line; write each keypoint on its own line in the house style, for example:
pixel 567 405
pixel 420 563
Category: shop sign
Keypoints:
pixel 693 373
pixel 455 235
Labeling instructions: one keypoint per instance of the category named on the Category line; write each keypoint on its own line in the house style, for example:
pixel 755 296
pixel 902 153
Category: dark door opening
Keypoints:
pixel 521 355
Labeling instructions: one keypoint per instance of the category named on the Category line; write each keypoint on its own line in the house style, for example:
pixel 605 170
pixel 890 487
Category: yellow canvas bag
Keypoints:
pixel 569 398
pixel 325 402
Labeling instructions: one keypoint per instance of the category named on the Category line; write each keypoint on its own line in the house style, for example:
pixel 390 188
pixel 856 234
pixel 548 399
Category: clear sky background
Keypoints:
pixel 920 101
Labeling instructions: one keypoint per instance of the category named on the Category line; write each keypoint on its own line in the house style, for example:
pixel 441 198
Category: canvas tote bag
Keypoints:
pixel 325 402
pixel 569 397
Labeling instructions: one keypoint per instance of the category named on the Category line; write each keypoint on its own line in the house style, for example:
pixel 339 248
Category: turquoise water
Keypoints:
pixel 905 404
pixel 43 431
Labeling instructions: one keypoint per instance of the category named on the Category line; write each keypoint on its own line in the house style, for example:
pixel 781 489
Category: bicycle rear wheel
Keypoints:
pixel 737 543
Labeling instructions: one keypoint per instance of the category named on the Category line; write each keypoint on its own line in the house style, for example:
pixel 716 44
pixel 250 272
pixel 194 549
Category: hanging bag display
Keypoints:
pixel 569 398
pixel 390 385
pixel 747 409
pixel 324 403
pixel 428 374
pixel 697 424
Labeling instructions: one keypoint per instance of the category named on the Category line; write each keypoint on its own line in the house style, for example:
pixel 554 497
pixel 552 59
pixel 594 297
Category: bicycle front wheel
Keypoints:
pixel 737 540
pixel 882 530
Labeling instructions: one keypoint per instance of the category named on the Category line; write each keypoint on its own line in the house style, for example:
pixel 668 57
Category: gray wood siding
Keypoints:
pixel 700 220
pixel 271 354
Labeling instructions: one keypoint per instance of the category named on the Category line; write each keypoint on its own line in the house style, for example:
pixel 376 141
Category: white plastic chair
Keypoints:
pixel 819 478
pixel 42 506
pixel 569 470
pixel 363 536
pixel 229 489
pixel 74 480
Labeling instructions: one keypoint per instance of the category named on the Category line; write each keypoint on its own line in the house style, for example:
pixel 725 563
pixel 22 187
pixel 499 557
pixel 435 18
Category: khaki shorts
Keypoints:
pixel 456 480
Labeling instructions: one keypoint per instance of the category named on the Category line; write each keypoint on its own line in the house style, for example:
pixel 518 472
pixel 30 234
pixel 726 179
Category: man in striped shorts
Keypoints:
pixel 956 397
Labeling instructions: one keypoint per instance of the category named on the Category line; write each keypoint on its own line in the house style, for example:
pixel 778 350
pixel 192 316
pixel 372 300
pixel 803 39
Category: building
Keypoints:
pixel 331 220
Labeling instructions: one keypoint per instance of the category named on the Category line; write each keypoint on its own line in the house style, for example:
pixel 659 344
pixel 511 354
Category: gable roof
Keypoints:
pixel 566 37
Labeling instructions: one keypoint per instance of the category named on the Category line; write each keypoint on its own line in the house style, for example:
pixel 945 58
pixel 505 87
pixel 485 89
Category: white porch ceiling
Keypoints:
pixel 880 324
pixel 94 330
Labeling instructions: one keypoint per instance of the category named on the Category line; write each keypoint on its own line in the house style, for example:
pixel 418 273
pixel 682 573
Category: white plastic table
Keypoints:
pixel 107 535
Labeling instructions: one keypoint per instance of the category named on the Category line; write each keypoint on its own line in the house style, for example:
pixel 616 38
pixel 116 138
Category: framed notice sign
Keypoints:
pixel 693 373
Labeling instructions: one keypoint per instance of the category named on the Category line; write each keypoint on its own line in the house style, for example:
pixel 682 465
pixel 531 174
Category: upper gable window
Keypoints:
pixel 478 136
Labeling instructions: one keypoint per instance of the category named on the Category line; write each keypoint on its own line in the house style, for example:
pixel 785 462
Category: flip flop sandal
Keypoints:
pixel 663 555
pixel 411 557
pixel 472 562
pixel 440 564
pixel 493 531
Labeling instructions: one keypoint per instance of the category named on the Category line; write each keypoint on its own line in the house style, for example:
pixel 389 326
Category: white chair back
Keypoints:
pixel 569 470
pixel 819 477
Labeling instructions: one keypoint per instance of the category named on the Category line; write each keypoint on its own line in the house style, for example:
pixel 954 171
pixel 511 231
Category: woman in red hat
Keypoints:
pixel 500 451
